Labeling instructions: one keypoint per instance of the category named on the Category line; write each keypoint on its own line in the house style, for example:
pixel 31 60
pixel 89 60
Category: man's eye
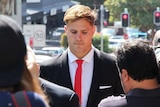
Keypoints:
pixel 84 32
pixel 74 32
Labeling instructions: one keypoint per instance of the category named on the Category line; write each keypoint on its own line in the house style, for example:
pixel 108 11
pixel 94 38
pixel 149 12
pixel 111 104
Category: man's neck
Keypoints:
pixel 146 84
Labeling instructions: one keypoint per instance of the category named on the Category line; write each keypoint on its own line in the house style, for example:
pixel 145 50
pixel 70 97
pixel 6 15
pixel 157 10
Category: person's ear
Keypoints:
pixel 125 75
pixel 65 28
pixel 94 28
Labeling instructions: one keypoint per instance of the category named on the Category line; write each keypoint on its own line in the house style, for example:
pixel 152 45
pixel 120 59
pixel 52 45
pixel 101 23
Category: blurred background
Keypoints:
pixel 117 20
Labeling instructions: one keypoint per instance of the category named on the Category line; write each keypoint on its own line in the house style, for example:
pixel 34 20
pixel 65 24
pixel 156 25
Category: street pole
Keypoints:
pixel 101 24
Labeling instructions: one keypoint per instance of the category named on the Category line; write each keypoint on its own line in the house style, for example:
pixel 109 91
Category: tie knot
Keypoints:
pixel 79 62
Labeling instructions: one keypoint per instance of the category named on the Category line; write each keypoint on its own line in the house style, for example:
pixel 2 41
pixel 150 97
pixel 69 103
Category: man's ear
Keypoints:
pixel 125 75
pixel 65 27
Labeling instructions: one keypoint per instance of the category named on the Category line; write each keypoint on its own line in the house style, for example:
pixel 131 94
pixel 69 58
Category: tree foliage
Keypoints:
pixel 96 41
pixel 141 11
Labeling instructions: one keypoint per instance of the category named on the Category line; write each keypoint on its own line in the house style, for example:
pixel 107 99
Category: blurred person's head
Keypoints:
pixel 156 44
pixel 14 74
pixel 13 52
pixel 80 29
pixel 156 39
pixel 137 64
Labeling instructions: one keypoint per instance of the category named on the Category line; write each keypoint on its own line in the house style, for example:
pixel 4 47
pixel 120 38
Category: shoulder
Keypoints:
pixel 104 55
pixel 50 61
pixel 55 89
pixel 60 95
pixel 113 101
pixel 105 61
pixel 55 60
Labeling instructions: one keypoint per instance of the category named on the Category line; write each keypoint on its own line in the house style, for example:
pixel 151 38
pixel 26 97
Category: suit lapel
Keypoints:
pixel 65 68
pixel 95 78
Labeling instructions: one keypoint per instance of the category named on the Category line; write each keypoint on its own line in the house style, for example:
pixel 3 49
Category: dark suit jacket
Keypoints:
pixel 135 98
pixel 105 74
pixel 59 96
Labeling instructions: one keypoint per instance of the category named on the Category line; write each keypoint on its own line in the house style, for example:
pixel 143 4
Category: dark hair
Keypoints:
pixel 138 58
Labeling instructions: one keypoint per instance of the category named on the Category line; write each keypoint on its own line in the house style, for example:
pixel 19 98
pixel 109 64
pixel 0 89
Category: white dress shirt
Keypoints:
pixel 87 72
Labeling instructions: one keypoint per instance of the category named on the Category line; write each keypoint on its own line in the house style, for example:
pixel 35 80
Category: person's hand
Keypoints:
pixel 32 65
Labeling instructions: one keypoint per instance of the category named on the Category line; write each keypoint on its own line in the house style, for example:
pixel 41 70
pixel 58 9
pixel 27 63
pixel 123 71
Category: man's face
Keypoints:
pixel 79 35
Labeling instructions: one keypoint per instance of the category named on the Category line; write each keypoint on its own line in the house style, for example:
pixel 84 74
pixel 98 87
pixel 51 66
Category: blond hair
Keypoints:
pixel 80 11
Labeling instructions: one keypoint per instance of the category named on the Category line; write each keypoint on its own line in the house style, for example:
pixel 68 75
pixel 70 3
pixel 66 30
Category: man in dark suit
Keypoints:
pixel 100 76
pixel 139 72
pixel 59 96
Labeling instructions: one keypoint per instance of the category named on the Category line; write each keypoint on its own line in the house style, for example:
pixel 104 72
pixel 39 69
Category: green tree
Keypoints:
pixel 63 41
pixel 141 11
pixel 96 40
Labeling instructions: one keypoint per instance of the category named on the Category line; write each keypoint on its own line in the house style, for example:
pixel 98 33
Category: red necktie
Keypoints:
pixel 78 79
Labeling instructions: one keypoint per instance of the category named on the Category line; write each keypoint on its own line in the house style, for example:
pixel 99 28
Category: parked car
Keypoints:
pixel 139 35
pixel 58 31
pixel 41 55
pixel 53 50
pixel 129 31
pixel 40 52
pixel 108 32
pixel 115 41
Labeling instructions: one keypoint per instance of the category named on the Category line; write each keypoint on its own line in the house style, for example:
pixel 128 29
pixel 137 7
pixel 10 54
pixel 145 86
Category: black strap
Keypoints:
pixel 21 100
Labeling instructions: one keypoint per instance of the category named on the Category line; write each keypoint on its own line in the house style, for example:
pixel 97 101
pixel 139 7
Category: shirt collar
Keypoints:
pixel 86 58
